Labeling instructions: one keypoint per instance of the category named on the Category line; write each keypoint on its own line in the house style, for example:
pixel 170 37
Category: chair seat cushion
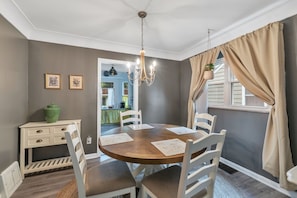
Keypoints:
pixel 108 177
pixel 164 184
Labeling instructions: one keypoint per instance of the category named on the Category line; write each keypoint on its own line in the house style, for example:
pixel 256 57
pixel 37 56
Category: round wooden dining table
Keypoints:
pixel 141 150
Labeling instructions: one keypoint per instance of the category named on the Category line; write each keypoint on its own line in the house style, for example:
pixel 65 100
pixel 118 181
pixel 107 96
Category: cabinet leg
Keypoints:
pixel 30 155
pixel 22 162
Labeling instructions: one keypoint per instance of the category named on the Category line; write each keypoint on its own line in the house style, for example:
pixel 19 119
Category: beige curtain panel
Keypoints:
pixel 198 63
pixel 257 60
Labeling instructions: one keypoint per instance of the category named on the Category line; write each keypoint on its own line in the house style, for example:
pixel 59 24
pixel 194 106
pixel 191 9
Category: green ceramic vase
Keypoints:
pixel 52 113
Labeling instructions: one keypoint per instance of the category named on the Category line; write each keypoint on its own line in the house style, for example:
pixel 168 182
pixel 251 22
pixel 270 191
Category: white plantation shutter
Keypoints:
pixel 224 89
pixel 215 93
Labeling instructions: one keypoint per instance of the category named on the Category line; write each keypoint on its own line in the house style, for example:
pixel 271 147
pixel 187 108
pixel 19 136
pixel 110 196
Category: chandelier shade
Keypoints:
pixel 140 74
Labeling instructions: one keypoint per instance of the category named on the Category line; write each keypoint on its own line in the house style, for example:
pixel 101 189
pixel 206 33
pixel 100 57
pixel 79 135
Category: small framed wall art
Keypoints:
pixel 75 82
pixel 52 81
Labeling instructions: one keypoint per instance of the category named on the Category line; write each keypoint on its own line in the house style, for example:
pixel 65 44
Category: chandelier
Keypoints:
pixel 140 74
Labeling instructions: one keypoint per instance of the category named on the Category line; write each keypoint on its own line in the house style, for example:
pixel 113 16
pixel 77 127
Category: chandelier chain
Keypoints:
pixel 208 39
pixel 142 33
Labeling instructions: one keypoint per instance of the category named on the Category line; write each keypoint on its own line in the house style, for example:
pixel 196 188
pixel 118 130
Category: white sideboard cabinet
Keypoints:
pixel 42 134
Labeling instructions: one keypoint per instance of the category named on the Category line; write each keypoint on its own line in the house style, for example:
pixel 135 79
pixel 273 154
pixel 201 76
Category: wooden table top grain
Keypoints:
pixel 141 150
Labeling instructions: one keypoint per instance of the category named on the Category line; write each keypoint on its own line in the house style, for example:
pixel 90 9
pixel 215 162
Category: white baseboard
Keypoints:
pixel 258 177
pixel 92 156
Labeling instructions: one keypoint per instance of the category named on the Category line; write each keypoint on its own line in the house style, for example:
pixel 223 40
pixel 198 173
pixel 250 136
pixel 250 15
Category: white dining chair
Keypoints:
pixel 133 117
pixel 205 122
pixel 130 117
pixel 194 178
pixel 103 180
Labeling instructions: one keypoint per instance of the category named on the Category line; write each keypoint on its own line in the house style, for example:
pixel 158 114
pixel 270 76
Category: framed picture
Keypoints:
pixel 52 81
pixel 75 82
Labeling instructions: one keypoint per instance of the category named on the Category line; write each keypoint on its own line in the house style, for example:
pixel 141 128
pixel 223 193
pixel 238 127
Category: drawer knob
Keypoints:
pixel 39 140
pixel 39 131
pixel 63 129
pixel 62 138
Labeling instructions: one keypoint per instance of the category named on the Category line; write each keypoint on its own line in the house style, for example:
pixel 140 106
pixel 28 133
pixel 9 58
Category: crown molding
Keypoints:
pixel 79 41
pixel 276 12
pixel 11 13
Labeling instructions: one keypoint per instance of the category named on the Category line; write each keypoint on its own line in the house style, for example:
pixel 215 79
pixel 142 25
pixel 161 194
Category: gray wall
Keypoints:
pixel 185 72
pixel 244 139
pixel 290 35
pixel 14 90
pixel 160 102
pixel 82 104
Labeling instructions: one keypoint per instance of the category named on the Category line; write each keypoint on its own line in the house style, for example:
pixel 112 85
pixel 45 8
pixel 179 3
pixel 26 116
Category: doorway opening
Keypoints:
pixel 114 93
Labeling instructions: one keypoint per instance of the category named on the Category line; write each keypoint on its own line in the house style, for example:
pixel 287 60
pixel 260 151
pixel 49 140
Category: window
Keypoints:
pixel 125 94
pixel 107 94
pixel 225 90
pixel 125 89
pixel 216 89
pixel 241 96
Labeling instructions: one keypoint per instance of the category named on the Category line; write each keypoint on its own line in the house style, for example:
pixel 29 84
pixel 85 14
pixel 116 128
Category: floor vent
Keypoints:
pixel 10 180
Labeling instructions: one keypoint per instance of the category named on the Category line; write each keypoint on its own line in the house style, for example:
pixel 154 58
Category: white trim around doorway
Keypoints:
pixel 135 91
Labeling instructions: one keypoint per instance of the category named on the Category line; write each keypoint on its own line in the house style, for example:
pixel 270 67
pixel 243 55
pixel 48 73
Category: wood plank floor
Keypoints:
pixel 235 185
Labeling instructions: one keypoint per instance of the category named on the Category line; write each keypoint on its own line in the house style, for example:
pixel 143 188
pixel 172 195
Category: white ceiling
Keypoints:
pixel 170 28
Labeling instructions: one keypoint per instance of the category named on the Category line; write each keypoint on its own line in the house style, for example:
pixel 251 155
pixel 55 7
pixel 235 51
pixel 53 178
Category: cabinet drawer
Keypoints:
pixel 60 129
pixel 37 141
pixel 59 139
pixel 37 131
